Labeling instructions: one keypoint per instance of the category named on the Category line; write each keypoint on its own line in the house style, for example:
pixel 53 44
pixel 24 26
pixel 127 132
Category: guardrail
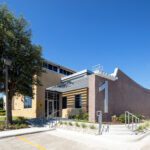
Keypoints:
pixel 131 121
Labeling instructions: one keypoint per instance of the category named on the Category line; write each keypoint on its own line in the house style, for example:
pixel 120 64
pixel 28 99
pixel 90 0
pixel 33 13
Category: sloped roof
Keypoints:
pixel 70 85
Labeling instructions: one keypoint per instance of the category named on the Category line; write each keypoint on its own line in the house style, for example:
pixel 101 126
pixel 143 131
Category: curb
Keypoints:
pixel 26 133
pixel 143 136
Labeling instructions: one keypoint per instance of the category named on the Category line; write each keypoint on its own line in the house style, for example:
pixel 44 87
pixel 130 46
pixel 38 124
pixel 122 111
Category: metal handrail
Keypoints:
pixel 133 121
pixel 51 123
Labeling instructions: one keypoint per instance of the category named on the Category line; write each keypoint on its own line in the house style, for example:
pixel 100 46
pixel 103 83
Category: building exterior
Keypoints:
pixel 66 92
pixel 113 94
pixel 35 108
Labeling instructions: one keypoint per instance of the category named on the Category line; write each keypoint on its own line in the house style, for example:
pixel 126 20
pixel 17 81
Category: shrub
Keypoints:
pixel 61 123
pixel 77 124
pixel 71 116
pixel 65 123
pixel 92 127
pixel 2 126
pixel 140 128
pixel 84 125
pixel 121 118
pixel 80 116
pixel 2 112
pixel 20 120
pixel 70 124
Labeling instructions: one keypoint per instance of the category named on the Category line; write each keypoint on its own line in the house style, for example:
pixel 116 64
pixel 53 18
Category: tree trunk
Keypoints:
pixel 9 111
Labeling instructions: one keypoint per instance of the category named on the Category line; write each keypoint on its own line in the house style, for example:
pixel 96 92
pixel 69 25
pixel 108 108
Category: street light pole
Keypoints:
pixel 7 63
pixel 6 92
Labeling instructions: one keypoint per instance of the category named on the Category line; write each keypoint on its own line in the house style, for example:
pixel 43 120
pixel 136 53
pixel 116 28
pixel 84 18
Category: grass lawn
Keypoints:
pixel 18 123
pixel 3 118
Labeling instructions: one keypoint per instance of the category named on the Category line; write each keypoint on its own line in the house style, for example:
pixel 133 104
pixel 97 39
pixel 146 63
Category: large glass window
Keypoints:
pixel 78 101
pixel 64 102
pixel 55 68
pixel 27 102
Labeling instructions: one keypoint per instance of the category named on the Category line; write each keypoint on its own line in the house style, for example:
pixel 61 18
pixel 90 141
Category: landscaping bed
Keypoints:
pixel 144 127
pixel 79 127
pixel 18 123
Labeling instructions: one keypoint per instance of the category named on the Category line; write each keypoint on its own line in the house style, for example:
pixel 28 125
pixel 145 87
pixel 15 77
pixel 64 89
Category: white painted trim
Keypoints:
pixel 76 75
pixel 101 88
pixel 114 74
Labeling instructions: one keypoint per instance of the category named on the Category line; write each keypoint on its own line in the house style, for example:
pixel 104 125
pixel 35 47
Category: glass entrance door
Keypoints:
pixel 50 108
pixel 52 104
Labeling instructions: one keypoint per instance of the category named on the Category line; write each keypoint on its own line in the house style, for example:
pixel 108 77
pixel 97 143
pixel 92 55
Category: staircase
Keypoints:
pixel 129 128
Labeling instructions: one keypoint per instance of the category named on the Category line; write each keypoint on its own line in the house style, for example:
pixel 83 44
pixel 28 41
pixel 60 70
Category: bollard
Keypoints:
pixel 99 115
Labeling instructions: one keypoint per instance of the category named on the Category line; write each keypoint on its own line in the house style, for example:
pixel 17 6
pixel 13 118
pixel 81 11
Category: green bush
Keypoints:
pixel 83 125
pixel 121 118
pixel 20 120
pixel 2 112
pixel 77 124
pixel 92 127
pixel 80 116
pixel 65 123
pixel 70 124
pixel 61 123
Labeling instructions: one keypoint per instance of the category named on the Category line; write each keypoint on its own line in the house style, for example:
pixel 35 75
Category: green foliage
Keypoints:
pixel 2 112
pixel 16 45
pixel 17 124
pixel 70 124
pixel 80 116
pixel 92 127
pixel 121 118
pixel 61 123
pixel 20 120
pixel 77 124
pixel 144 126
pixel 83 125
pixel 65 123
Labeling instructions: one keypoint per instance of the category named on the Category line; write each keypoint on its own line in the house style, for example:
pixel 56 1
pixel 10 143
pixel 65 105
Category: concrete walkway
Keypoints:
pixel 107 142
pixel 17 132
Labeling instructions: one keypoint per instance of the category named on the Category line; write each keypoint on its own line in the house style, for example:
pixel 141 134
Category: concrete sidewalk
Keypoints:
pixel 18 132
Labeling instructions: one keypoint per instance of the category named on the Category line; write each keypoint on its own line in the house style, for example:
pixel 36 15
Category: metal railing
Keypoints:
pixel 52 120
pixel 131 121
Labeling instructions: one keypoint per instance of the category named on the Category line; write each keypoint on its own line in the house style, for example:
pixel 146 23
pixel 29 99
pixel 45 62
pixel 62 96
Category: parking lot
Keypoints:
pixel 40 141
pixel 65 140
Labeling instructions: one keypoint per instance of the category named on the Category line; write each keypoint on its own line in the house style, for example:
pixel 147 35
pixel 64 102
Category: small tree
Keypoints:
pixel 15 44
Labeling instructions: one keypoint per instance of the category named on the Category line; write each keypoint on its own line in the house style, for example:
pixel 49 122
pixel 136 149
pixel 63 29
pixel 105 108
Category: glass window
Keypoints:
pixel 27 102
pixel 55 68
pixel 44 64
pixel 50 67
pixel 78 101
pixel 61 71
pixel 64 102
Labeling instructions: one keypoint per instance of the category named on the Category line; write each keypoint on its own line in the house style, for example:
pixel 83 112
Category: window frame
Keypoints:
pixel 63 102
pixel 78 101
pixel 27 104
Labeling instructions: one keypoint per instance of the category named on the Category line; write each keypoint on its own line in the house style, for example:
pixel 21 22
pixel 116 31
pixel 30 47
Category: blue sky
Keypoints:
pixel 82 33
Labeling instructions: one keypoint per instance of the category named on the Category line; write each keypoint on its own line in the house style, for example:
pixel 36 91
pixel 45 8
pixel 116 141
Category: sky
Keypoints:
pixel 82 33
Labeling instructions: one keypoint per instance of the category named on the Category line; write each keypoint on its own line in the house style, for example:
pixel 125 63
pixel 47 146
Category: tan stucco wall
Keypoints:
pixel 49 78
pixel 18 106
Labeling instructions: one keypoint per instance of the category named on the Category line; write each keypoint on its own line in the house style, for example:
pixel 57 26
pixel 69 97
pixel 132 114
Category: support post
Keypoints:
pixel 99 115
pixel 6 91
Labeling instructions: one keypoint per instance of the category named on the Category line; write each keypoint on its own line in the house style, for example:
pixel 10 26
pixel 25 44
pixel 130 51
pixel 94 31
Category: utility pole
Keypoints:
pixel 6 92
pixel 7 63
